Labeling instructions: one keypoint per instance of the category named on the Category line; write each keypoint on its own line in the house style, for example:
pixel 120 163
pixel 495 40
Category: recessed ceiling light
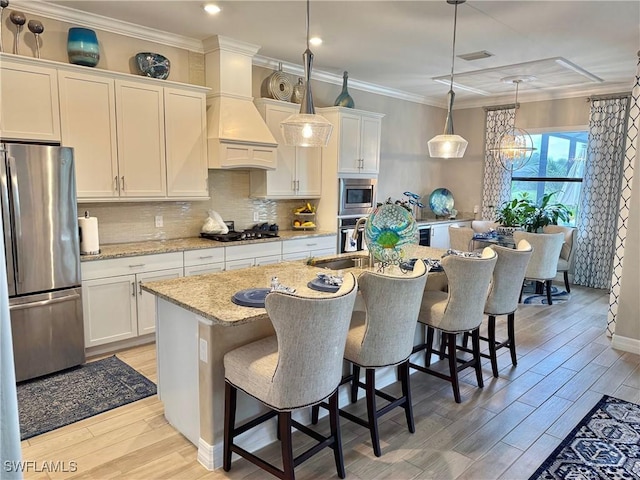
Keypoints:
pixel 211 8
pixel 315 41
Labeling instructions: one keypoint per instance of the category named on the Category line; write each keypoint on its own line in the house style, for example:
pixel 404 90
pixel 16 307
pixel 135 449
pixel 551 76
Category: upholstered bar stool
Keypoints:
pixel 565 262
pixel 298 367
pixel 508 276
pixel 382 336
pixel 543 265
pixel 459 310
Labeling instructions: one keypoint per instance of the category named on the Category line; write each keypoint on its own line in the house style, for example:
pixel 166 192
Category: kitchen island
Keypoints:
pixel 197 323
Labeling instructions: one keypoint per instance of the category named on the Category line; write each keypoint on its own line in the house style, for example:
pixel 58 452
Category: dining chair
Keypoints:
pixel 565 262
pixel 483 226
pixel 299 366
pixel 457 311
pixel 460 238
pixel 543 265
pixel 382 335
pixel 504 294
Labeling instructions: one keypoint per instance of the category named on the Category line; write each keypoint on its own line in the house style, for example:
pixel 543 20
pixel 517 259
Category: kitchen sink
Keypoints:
pixel 342 263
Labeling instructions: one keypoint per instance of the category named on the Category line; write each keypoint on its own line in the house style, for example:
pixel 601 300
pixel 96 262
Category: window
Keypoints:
pixel 556 166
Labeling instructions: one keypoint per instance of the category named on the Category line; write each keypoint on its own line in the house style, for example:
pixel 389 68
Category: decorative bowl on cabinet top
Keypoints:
pixel 153 65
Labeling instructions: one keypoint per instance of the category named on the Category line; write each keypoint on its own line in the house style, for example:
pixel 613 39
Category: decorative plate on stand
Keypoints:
pixel 441 202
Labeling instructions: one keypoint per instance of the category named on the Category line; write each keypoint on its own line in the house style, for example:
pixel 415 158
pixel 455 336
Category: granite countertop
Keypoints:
pixel 119 250
pixel 209 295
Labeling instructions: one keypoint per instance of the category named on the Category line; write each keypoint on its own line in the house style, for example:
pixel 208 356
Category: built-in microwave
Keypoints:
pixel 357 196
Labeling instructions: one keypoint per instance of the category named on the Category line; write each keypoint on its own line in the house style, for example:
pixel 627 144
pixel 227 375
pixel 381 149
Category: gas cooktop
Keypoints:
pixel 259 231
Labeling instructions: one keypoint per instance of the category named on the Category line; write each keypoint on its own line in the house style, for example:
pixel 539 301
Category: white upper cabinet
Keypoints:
pixel 185 136
pixel 355 140
pixel 29 108
pixel 134 138
pixel 298 170
pixel 88 124
pixel 141 149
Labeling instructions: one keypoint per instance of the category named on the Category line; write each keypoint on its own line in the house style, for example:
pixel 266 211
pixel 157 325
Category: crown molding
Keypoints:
pixel 334 79
pixel 71 15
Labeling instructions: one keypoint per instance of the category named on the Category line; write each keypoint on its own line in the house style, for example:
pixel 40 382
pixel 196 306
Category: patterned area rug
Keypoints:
pixel 604 445
pixel 529 297
pixel 50 402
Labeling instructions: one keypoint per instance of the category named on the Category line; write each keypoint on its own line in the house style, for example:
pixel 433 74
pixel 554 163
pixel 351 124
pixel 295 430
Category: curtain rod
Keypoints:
pixel 501 107
pixel 610 96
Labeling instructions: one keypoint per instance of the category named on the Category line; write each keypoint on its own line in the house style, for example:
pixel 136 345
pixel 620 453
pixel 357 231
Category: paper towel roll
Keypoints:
pixel 89 241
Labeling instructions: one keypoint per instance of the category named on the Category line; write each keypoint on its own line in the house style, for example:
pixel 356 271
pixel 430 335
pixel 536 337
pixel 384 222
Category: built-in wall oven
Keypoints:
pixel 357 196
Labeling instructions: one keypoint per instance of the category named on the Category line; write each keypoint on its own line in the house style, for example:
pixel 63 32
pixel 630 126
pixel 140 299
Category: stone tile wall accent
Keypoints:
pixel 229 189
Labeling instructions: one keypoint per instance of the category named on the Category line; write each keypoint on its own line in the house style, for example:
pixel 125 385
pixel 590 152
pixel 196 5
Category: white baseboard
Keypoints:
pixel 119 345
pixel 206 455
pixel 625 343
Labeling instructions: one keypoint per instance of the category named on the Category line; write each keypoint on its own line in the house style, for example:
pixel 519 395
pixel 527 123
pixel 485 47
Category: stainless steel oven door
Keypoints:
pixel 357 196
pixel 346 230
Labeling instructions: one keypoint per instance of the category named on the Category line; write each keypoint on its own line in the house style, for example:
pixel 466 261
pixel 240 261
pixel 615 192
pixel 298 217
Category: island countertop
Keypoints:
pixel 210 295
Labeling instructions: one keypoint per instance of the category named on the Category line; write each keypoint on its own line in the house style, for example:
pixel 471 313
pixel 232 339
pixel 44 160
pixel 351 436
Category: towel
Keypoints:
pixel 351 245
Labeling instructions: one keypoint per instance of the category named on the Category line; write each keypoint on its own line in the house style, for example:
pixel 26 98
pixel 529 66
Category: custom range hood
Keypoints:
pixel 238 137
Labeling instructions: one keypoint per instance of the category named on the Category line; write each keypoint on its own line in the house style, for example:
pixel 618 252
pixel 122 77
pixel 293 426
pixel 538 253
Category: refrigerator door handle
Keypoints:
pixel 43 303
pixel 17 223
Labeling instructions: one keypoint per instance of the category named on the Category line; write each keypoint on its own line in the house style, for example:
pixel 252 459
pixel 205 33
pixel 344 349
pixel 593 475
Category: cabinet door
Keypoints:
pixel 238 264
pixel 440 236
pixel 29 108
pixel 141 140
pixel 309 171
pixel 147 301
pixel 185 129
pixel 370 145
pixel 281 181
pixel 271 259
pixel 109 309
pixel 349 151
pixel 88 124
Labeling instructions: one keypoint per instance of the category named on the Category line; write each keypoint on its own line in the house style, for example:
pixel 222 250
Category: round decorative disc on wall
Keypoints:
pixel 279 86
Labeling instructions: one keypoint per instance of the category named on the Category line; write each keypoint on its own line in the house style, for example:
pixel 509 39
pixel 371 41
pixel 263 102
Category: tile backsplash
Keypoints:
pixel 229 190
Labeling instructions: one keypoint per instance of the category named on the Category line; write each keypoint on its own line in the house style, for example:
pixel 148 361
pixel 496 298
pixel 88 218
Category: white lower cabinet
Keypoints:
pixel 199 262
pixel 114 306
pixel 243 256
pixel 301 248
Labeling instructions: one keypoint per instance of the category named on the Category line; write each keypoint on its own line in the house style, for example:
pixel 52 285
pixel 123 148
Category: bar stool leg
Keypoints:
pixel 372 411
pixel 230 397
pixel 334 423
pixel 450 339
pixel 355 383
pixel 491 327
pixel 548 284
pixel 566 281
pixel 284 427
pixel 475 341
pixel 427 360
pixel 403 370
pixel 511 332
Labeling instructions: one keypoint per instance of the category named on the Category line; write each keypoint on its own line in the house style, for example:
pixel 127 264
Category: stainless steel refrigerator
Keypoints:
pixel 40 223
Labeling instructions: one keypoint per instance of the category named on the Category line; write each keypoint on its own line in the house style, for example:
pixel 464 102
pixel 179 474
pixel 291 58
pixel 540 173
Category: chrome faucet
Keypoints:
pixel 356 229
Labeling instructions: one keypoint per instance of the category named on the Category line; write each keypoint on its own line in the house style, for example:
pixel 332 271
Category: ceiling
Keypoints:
pixel 398 47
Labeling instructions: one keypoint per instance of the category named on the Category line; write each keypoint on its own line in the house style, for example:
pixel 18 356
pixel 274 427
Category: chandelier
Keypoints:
pixel 515 146
pixel 449 145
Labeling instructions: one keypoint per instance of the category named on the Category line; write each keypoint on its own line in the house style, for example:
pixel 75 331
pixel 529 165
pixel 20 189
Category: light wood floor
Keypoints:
pixel 504 430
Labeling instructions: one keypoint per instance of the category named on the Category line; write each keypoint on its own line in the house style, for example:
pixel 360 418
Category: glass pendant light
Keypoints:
pixel 306 129
pixel 449 145
pixel 515 146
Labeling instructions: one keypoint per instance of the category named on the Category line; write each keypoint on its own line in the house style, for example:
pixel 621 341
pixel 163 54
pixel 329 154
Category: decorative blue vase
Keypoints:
pixel 82 47
pixel 344 99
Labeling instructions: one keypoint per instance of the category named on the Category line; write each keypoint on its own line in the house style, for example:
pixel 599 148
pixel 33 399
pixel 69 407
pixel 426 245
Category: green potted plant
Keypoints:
pixel 511 214
pixel 546 213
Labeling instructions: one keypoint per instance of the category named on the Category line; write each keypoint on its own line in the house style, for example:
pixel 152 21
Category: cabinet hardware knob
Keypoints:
pixel 115 183
pixel 137 265
pixel 140 286
pixel 205 257
pixel 122 177
pixel 133 289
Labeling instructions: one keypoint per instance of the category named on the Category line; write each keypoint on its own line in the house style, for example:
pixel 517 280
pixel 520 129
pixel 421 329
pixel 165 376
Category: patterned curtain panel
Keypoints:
pixel 497 180
pixel 597 222
pixel 630 154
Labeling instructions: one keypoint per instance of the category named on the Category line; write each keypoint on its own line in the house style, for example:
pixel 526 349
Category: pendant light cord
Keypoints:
pixel 453 50
pixel 308 24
